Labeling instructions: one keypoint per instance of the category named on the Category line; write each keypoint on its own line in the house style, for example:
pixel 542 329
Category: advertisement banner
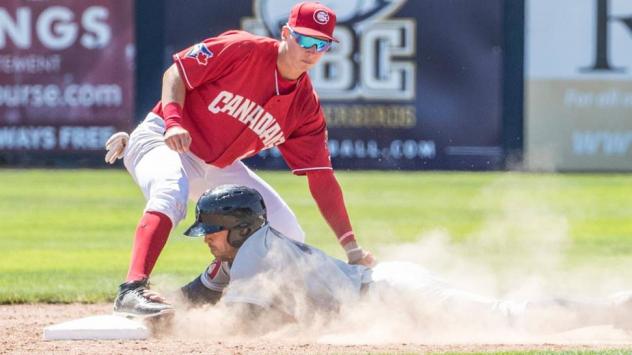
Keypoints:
pixel 578 104
pixel 66 74
pixel 411 85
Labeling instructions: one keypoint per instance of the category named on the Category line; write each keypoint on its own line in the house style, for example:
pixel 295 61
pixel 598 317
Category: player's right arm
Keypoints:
pixel 172 98
pixel 209 286
pixel 201 63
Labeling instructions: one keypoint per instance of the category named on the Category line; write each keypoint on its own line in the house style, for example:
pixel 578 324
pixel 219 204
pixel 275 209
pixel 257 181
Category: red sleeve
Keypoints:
pixel 213 58
pixel 328 196
pixel 172 115
pixel 306 148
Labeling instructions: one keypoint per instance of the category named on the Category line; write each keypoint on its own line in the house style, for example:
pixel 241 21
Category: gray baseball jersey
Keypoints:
pixel 273 271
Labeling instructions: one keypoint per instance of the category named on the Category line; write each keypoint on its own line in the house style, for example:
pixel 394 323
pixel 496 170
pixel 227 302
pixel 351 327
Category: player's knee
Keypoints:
pixel 176 211
pixel 170 199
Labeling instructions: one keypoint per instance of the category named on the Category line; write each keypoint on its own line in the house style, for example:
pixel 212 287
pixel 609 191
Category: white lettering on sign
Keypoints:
pixel 19 31
pixel 17 138
pixel 49 138
pixel 30 64
pixel 84 138
pixel 73 95
pixel 608 143
pixel 385 64
pixel 56 28
pixel 578 39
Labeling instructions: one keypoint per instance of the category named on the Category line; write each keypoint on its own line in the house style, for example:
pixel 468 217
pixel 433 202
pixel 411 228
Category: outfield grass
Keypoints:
pixel 66 235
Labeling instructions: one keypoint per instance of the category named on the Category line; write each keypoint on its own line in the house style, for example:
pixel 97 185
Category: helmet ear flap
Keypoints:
pixel 238 209
pixel 235 238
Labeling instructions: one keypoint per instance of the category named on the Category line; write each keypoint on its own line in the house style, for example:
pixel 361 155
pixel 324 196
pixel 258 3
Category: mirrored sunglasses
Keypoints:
pixel 322 45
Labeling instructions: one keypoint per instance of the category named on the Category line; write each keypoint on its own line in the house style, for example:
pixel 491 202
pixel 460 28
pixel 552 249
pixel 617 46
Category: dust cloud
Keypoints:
pixel 509 282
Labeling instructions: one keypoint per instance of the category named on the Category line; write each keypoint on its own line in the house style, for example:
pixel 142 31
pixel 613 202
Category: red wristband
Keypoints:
pixel 172 115
pixel 346 238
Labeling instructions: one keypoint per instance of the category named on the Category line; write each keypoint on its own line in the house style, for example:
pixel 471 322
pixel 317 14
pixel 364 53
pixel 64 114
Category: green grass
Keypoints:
pixel 66 235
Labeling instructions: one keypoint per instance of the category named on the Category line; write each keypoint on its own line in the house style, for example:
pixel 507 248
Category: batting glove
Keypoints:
pixel 115 146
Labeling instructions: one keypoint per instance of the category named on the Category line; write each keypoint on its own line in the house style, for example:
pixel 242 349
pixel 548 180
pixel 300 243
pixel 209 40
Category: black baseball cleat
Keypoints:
pixel 134 301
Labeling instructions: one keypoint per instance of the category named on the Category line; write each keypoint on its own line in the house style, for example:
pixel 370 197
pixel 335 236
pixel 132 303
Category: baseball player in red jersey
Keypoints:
pixel 223 100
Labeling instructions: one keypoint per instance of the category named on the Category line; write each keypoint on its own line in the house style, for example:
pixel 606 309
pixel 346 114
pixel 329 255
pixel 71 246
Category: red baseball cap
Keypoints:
pixel 313 19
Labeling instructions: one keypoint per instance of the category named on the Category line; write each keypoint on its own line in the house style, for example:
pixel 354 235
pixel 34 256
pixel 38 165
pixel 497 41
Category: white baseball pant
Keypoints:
pixel 544 315
pixel 168 178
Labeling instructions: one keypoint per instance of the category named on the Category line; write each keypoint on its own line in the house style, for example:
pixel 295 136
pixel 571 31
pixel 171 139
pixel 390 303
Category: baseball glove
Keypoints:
pixel 115 147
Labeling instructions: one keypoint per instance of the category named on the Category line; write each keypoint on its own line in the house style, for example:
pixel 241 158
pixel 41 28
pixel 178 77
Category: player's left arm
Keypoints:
pixel 327 193
pixel 306 153
pixel 253 319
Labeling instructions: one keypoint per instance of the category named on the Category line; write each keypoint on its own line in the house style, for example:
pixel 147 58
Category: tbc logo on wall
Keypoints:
pixel 375 58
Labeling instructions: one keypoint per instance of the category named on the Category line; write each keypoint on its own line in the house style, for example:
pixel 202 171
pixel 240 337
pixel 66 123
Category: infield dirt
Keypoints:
pixel 21 329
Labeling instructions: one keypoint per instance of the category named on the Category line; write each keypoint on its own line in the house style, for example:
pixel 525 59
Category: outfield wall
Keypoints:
pixel 412 85
pixel 578 83
pixel 66 76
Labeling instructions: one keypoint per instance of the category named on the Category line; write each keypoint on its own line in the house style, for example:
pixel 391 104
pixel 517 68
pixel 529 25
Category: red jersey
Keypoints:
pixel 234 109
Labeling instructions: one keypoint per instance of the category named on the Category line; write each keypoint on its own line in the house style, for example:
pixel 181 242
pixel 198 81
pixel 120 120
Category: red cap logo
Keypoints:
pixel 321 16
pixel 313 19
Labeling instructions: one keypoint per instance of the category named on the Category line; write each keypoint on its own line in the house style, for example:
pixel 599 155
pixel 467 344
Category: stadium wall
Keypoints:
pixel 413 85
pixel 578 85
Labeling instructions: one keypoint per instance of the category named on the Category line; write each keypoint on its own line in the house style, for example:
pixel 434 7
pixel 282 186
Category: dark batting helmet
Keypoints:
pixel 238 209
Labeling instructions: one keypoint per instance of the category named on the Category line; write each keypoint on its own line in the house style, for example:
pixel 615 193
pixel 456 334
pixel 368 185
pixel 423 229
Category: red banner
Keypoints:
pixel 66 73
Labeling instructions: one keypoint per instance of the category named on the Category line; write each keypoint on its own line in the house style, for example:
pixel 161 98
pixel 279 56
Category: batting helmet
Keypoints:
pixel 238 209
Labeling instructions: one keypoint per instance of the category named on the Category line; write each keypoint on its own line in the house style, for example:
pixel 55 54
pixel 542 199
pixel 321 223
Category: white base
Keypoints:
pixel 97 328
